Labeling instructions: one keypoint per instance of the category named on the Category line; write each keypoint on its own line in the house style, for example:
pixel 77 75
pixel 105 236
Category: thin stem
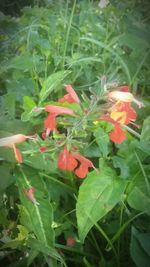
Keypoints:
pixel 109 242
pixel 143 172
pixel 59 246
pixel 96 245
pixel 132 131
pixel 120 224
pixel 67 34
pixel 124 226
pixel 140 66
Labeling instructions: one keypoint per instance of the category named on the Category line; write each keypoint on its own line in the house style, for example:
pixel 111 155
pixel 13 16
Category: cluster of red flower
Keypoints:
pixel 120 114
pixel 66 161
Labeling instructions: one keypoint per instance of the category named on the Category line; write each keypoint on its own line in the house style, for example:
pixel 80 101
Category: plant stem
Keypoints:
pixel 67 34
pixel 143 172
pixel 132 131
pixel 109 242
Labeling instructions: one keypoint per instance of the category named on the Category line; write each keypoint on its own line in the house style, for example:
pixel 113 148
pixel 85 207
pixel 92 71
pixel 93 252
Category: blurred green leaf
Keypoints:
pixel 22 62
pixel 92 151
pixel 139 198
pixel 139 248
pixel 120 163
pixel 6 177
pixel 28 105
pixel 45 249
pixel 41 215
pixel 102 140
pixel 145 134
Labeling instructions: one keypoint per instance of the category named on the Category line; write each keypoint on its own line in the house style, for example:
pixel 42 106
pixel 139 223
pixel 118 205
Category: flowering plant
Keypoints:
pixel 74 134
pixel 69 129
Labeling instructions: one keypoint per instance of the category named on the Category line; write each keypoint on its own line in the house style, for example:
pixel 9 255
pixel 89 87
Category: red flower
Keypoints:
pixel 50 124
pixel 71 97
pixel 123 88
pixel 11 141
pixel 85 164
pixel 123 113
pixel 69 162
pixel 42 148
pixel 117 135
pixel 57 110
pixel 43 135
pixel 70 241
pixel 30 194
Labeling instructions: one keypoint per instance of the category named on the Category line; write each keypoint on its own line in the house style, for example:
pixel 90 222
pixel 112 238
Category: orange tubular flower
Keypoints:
pixel 57 110
pixel 50 124
pixel 69 162
pixel 66 161
pixel 30 194
pixel 71 97
pixel 117 135
pixel 123 113
pixel 11 141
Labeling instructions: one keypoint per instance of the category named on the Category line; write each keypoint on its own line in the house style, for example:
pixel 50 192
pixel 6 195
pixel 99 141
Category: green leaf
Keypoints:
pixel 28 105
pixel 102 141
pixel 98 194
pixel 37 245
pixel 46 162
pixel 41 215
pixel 8 105
pixel 22 62
pixel 52 83
pixel 139 249
pixel 92 151
pixel 6 178
pixel 120 163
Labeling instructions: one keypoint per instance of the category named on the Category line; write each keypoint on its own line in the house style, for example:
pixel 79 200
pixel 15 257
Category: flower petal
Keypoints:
pixel 58 110
pixel 42 148
pixel 66 161
pixel 72 93
pixel 82 171
pixel 15 139
pixel 66 98
pixel 117 135
pixel 18 155
pixel 124 97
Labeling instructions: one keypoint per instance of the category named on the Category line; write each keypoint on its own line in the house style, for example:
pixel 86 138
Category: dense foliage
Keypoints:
pixel 74 134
